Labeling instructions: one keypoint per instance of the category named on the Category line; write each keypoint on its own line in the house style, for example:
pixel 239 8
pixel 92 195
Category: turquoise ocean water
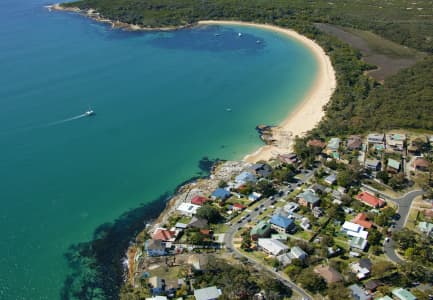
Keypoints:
pixel 160 101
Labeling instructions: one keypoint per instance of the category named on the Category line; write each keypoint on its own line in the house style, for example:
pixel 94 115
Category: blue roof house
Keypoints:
pixel 282 224
pixel 155 248
pixel 220 193
pixel 245 177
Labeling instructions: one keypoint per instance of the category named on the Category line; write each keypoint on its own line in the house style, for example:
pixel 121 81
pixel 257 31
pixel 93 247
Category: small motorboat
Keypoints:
pixel 89 112
pixel 228 109
pixel 239 34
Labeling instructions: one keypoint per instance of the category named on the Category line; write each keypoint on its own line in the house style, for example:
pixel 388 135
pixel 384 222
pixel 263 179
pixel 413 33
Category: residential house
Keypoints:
pixel 333 144
pixel 354 142
pixel 180 226
pixel 305 223
pixel 393 166
pixel 428 213
pixel 291 207
pixel 282 224
pixel 199 200
pixel 395 142
pixel 254 196
pixel 187 209
pixel 209 293
pixel 425 227
pixel 261 170
pixel 238 207
pixel 290 158
pixel 353 230
pixel 164 235
pixel 317 212
pixel 157 285
pixel 308 198
pixel 402 294
pixel 245 177
pixel 316 143
pixel 261 230
pixel 155 248
pixel 372 164
pixel 318 189
pixel 372 285
pixel 361 219
pixel 220 193
pixel 421 164
pixel 198 223
pixel 357 233
pixel 370 200
pixel 362 268
pixel 298 253
pixel 272 247
pixel 331 179
pixel 358 242
pixel 376 138
pixel 294 253
pixel 358 293
pixel 329 274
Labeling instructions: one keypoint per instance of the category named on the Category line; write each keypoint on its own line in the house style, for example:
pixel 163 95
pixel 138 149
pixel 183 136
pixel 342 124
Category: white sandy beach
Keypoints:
pixel 310 111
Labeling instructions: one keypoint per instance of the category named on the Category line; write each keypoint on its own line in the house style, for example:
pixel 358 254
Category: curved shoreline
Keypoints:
pixel 309 111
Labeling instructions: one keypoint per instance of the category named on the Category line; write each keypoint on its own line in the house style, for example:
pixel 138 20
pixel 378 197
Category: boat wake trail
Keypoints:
pixel 65 120
pixel 44 125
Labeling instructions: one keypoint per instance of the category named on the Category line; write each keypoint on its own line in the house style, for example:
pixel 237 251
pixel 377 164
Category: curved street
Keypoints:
pixel 404 203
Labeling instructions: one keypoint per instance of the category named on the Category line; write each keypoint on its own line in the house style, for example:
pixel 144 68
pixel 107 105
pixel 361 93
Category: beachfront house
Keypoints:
pixel 155 248
pixel 261 170
pixel 188 209
pixel 220 193
pixel 333 144
pixel 282 224
pixel 272 247
pixel 164 235
pixel 244 178
pixel 308 198
pixel 199 200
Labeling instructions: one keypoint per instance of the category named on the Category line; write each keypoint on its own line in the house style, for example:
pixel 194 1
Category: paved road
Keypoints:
pixel 404 203
pixel 228 240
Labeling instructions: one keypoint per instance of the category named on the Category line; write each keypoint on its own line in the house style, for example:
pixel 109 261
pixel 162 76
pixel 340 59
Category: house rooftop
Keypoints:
pixel 361 219
pixel 281 221
pixel 208 293
pixel 392 163
pixel 403 294
pixel 369 199
pixel 261 228
pixel 221 193
pixel 309 196
pixel 358 292
pixel 198 200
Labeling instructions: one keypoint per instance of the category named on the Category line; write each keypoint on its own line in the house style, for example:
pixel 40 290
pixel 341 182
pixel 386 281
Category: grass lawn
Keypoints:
pixel 412 219
pixel 168 273
pixel 305 235
pixel 220 228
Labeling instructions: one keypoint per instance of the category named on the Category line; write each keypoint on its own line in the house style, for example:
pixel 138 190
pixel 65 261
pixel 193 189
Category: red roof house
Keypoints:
pixel 164 235
pixel 370 200
pixel 238 206
pixel 316 143
pixel 362 220
pixel 199 200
